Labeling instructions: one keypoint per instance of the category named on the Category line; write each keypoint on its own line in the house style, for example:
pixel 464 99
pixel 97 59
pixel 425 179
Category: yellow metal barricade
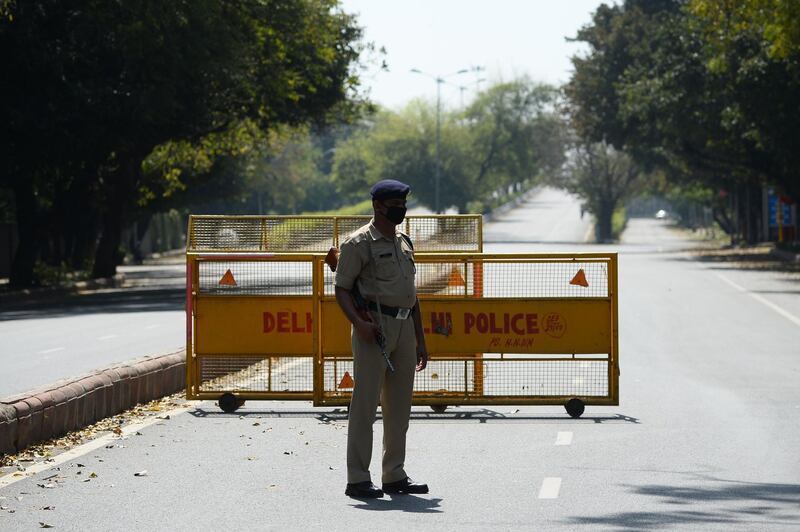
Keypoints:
pixel 544 327
pixel 263 322
pixel 252 302
pixel 251 332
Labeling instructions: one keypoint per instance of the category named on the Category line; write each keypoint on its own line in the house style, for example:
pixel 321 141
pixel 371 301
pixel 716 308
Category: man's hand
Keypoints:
pixel 367 329
pixel 422 357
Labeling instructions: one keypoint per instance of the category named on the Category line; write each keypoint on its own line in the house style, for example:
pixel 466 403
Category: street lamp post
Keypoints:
pixel 439 80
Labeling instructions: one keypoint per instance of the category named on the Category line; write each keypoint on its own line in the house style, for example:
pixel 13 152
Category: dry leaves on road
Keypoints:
pixel 44 451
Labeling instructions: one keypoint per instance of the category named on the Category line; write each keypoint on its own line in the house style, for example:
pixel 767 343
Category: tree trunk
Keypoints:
pixel 120 188
pixel 602 230
pixel 107 256
pixel 27 230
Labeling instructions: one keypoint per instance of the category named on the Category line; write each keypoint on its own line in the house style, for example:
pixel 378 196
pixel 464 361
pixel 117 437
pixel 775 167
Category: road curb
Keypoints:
pixel 785 255
pixel 45 294
pixel 71 404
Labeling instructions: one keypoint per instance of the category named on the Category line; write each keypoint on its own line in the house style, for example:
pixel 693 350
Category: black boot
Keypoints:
pixel 363 490
pixel 404 486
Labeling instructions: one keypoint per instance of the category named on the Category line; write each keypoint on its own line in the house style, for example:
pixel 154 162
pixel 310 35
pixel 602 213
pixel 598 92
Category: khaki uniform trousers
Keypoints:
pixel 374 381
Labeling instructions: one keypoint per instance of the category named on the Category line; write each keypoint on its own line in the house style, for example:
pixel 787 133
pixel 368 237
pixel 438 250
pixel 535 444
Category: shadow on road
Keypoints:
pixel 734 502
pixel 113 301
pixel 339 415
pixel 401 503
pixel 757 259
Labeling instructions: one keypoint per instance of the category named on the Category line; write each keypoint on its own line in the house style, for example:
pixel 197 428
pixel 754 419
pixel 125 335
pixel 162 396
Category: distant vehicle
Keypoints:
pixel 661 214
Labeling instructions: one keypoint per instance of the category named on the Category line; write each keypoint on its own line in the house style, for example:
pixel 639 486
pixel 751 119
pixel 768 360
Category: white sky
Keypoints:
pixel 509 38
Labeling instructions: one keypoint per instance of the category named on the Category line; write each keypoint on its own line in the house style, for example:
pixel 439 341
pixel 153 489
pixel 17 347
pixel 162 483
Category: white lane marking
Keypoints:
pixel 154 326
pixel 46 351
pixel 564 438
pixel 106 337
pixel 90 446
pixel 550 488
pixel 788 315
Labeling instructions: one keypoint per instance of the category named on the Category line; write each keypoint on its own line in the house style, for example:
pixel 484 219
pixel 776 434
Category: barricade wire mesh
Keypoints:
pixel 524 278
pixel 256 374
pixel 429 234
pixel 267 277
pixel 316 234
pixel 501 377
pixel 294 234
pixel 444 234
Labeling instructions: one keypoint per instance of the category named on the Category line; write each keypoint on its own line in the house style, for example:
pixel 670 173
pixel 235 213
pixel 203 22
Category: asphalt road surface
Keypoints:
pixel 705 438
pixel 43 341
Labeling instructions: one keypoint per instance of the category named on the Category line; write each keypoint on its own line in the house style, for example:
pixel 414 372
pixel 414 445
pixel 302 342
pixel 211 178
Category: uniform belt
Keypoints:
pixel 394 312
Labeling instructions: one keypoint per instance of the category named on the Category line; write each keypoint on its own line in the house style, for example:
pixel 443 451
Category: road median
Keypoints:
pixel 71 404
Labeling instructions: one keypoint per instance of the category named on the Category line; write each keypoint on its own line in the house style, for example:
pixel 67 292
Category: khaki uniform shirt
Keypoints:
pixel 389 275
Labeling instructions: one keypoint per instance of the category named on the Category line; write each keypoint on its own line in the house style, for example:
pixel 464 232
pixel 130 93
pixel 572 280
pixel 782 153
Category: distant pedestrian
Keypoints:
pixel 377 262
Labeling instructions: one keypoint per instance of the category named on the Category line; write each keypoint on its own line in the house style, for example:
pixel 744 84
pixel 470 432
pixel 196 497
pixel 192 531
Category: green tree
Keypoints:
pixel 603 178
pixel 697 92
pixel 516 134
pixel 99 85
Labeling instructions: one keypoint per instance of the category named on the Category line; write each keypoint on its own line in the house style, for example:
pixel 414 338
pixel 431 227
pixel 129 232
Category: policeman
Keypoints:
pixel 378 261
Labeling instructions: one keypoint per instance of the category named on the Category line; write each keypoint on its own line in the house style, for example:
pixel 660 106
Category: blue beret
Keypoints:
pixel 389 189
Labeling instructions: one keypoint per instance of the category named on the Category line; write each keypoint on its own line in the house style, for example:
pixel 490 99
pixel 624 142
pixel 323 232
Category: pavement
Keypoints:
pixel 56 338
pixel 705 436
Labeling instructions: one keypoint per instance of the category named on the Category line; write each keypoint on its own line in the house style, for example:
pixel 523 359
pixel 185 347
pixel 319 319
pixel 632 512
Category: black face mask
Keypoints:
pixel 396 215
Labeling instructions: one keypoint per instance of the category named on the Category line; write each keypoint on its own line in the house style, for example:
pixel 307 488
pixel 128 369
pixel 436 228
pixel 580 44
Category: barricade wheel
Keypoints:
pixel 575 407
pixel 229 403
pixel 439 409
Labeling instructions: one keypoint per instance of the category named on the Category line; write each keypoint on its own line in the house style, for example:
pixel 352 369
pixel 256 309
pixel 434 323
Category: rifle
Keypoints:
pixel 332 260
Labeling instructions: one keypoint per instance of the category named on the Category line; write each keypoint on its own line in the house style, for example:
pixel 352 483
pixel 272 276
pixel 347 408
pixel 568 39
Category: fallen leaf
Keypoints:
pixel 48 508
pixel 252 458
pixel 117 431
pixel 44 525
pixel 93 475
pixel 288 452
pixel 141 473
pixel 256 424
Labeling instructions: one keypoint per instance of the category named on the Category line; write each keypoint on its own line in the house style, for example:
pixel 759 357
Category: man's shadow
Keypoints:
pixel 400 503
